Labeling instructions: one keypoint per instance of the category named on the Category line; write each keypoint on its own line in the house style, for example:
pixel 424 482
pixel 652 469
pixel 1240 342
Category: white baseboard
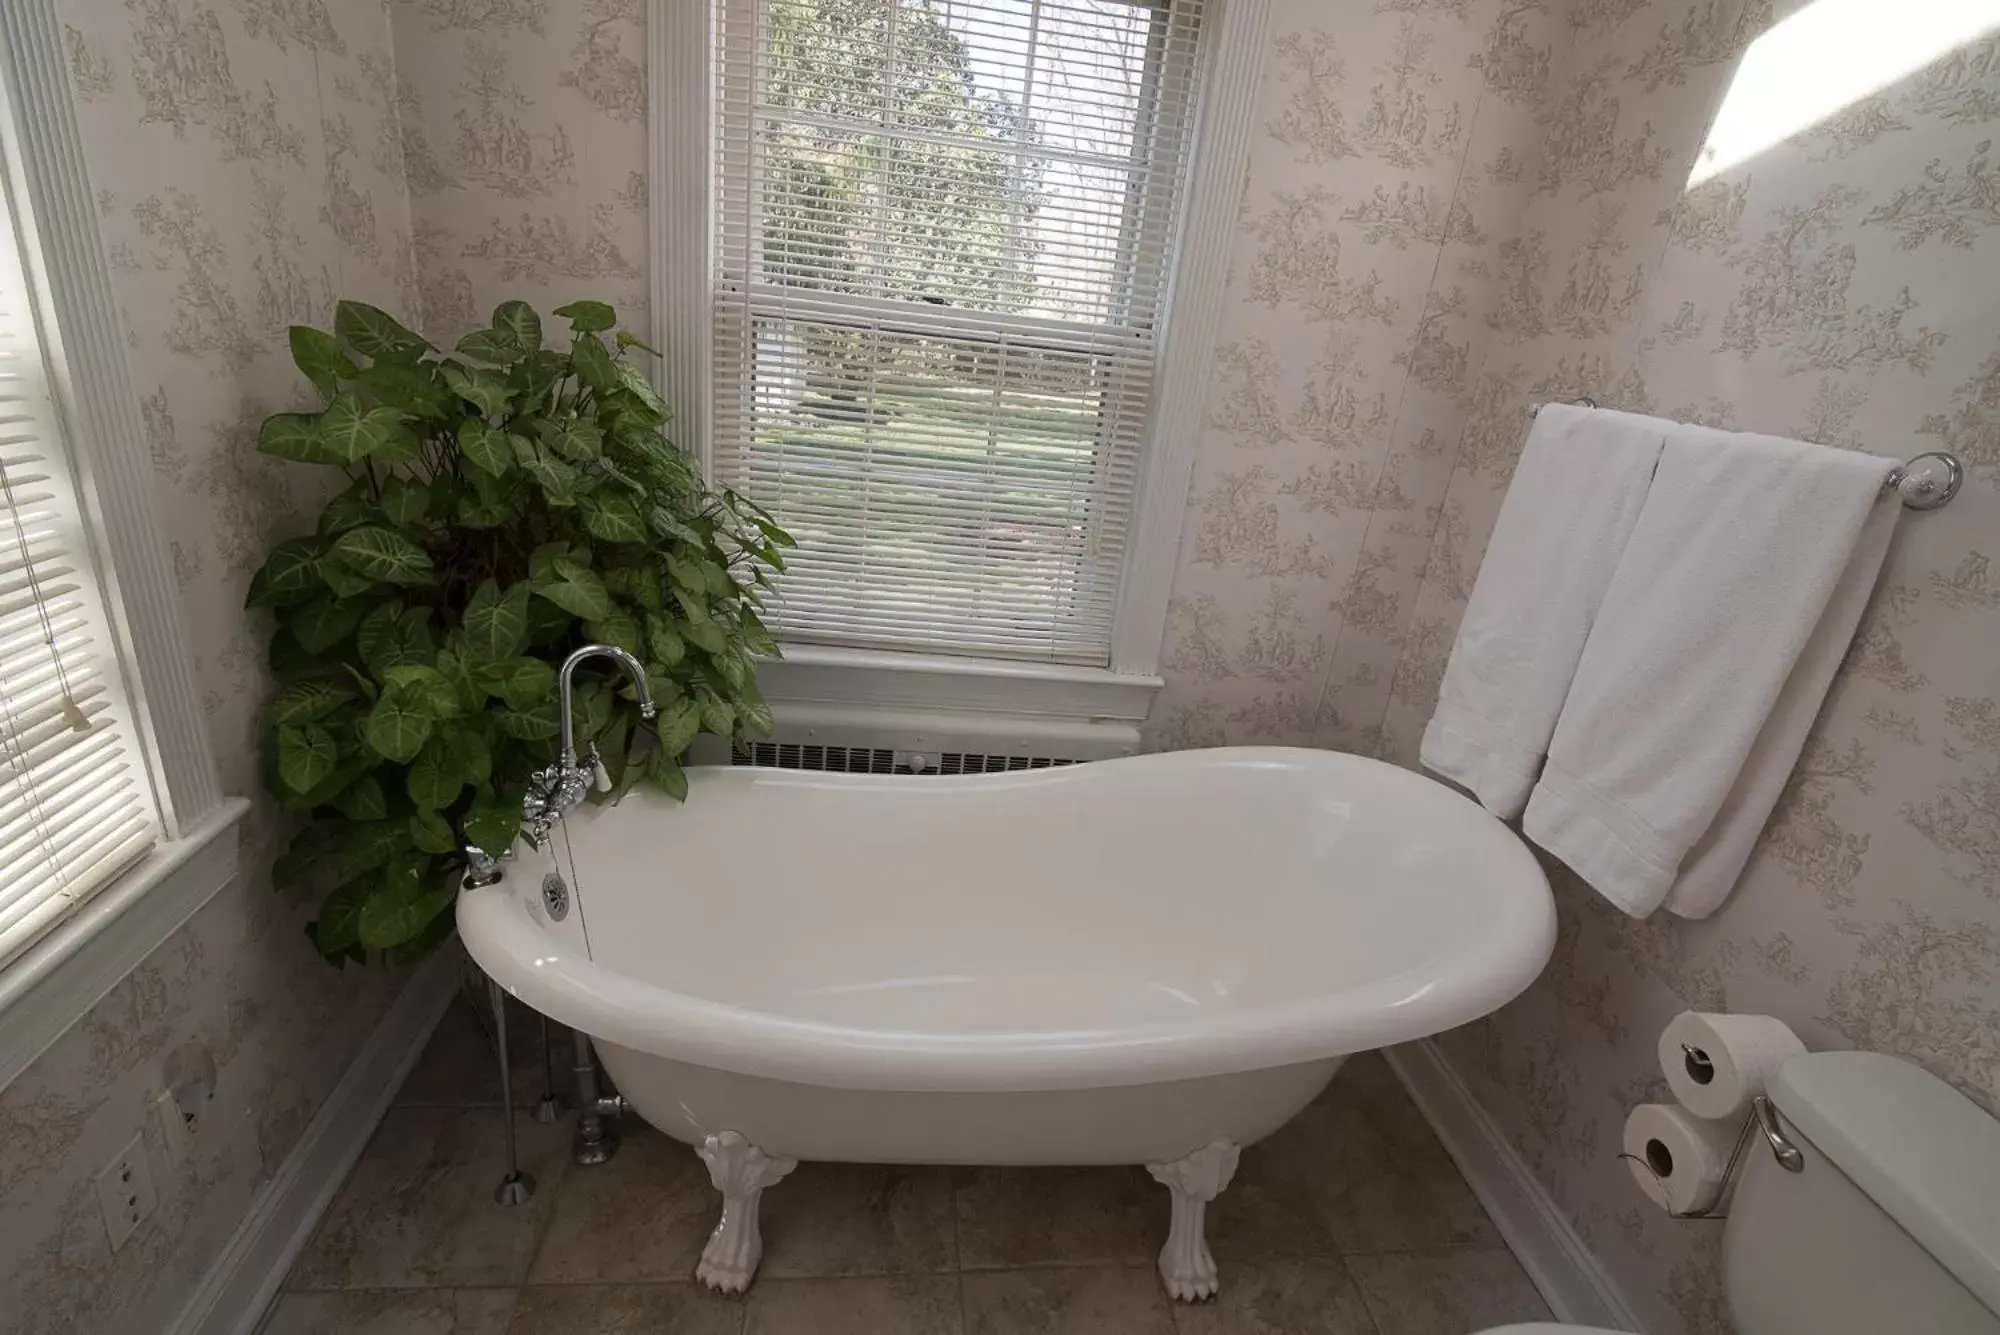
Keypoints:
pixel 1576 1288
pixel 240 1285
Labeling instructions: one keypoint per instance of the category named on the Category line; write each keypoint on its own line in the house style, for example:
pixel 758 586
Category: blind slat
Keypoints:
pixel 943 235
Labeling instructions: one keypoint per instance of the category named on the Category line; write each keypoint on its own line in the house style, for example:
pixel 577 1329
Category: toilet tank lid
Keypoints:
pixel 1925 1153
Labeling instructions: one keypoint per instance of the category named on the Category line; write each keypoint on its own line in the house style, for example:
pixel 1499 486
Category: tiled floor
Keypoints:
pixel 1350 1221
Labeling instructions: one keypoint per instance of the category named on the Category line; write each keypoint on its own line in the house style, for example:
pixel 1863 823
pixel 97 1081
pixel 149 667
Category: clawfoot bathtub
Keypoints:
pixel 1156 960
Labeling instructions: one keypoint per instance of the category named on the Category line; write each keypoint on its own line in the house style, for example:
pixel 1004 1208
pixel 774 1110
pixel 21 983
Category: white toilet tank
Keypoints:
pixel 1894 1223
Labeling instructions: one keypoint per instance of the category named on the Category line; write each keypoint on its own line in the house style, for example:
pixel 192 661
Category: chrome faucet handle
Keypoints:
pixel 600 778
pixel 482 868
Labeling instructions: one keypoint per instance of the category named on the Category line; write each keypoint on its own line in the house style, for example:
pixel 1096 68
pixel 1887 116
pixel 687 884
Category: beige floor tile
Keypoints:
pixel 392 1312
pixel 1123 1301
pixel 1446 1292
pixel 643 1216
pixel 1279 1298
pixel 910 1305
pixel 418 1208
pixel 626 1309
pixel 1380 1179
pixel 457 1069
pixel 1059 1216
pixel 1270 1209
pixel 859 1219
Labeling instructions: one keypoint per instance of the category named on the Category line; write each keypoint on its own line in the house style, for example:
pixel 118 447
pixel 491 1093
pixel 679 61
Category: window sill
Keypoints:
pixel 63 975
pixel 851 697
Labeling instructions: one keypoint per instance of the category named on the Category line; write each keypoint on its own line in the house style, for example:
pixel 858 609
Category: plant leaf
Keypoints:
pixel 317 354
pixel 437 775
pixel 407 387
pixel 618 627
pixel 557 479
pixel 343 579
pixel 627 340
pixel 489 345
pixel 384 554
pixel 612 517
pixel 664 769
pixel 404 501
pixel 573 438
pixel 536 723
pixel 363 800
pixel 289 574
pixel 306 755
pixel 518 321
pixel 588 317
pixel 349 433
pixel 677 725
pixel 592 364
pixel 337 930
pixel 308 701
pixel 392 636
pixel 345 511
pixel 581 594
pixel 496 623
pixel 372 844
pixel 400 908
pixel 493 823
pixel 483 389
pixel 522 682
pixel 427 688
pixel 431 832
pixel 373 332
pixel 295 436
pixel 325 622
pixel 398 727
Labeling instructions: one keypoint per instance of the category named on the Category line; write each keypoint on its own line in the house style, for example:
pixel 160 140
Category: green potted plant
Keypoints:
pixel 503 506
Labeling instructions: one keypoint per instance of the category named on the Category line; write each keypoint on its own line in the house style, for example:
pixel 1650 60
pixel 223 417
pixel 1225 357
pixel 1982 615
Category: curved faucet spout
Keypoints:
pixel 565 690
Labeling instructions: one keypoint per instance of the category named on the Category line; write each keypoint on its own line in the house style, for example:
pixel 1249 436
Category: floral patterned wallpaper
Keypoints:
pixel 243 154
pixel 1453 209
pixel 1458 208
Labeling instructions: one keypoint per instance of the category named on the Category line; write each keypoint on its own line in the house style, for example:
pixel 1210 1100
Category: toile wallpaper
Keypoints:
pixel 242 153
pixel 1453 209
pixel 1458 208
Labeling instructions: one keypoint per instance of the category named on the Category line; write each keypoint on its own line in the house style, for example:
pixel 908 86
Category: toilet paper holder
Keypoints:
pixel 1763 1118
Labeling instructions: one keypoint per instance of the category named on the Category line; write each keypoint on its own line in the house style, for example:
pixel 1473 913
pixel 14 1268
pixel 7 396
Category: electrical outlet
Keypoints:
pixel 125 1190
pixel 176 1127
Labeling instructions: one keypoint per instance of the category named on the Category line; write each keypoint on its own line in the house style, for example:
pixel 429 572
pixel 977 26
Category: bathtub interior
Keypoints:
pixel 1114 896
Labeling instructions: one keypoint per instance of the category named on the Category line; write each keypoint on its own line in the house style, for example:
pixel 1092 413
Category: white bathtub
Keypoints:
pixel 1155 960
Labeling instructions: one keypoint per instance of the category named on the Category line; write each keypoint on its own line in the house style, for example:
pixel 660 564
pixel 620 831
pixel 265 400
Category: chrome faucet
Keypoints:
pixel 554 791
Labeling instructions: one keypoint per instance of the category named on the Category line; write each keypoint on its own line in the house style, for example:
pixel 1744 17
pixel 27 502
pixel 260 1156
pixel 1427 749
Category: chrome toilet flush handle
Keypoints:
pixel 1788 1155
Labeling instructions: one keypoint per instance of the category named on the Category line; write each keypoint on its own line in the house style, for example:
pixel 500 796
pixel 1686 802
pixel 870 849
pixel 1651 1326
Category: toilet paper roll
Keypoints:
pixel 1716 1064
pixel 1677 1158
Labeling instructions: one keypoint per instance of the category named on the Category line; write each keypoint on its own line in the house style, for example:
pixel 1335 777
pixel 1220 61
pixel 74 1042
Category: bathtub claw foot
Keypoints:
pixel 1186 1265
pixel 740 1171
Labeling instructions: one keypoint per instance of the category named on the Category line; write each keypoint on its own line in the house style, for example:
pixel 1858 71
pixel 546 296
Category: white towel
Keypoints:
pixel 1568 513
pixel 1731 608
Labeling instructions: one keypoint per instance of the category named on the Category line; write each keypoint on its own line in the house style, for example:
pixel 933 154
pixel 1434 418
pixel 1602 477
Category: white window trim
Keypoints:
pixel 1102 707
pixel 64 974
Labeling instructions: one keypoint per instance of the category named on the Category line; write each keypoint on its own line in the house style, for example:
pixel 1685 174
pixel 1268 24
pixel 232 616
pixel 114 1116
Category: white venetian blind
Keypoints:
pixel 943 240
pixel 75 803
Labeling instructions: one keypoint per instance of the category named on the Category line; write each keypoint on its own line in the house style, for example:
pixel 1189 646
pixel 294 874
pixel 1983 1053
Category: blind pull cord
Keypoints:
pixel 72 713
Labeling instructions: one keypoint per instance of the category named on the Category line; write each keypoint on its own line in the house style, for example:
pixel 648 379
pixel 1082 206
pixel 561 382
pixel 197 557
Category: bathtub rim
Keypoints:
pixel 501 928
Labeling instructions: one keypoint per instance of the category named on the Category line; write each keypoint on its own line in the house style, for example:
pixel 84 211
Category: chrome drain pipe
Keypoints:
pixel 596 1136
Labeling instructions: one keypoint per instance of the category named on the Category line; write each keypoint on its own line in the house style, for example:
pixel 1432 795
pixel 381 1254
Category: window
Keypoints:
pixel 942 239
pixel 76 805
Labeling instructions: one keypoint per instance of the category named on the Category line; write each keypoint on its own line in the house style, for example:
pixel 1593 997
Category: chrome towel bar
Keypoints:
pixel 1926 482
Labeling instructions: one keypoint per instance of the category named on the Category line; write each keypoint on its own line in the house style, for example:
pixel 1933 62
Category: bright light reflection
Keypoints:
pixel 1827 56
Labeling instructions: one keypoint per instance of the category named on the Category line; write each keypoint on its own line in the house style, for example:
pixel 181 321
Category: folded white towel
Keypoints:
pixel 1568 513
pixel 1735 599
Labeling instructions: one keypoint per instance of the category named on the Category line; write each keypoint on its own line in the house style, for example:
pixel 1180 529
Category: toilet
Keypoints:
pixel 1891 1224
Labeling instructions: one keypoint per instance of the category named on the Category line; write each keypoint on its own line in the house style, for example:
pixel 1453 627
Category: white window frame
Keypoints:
pixel 855 693
pixel 58 979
